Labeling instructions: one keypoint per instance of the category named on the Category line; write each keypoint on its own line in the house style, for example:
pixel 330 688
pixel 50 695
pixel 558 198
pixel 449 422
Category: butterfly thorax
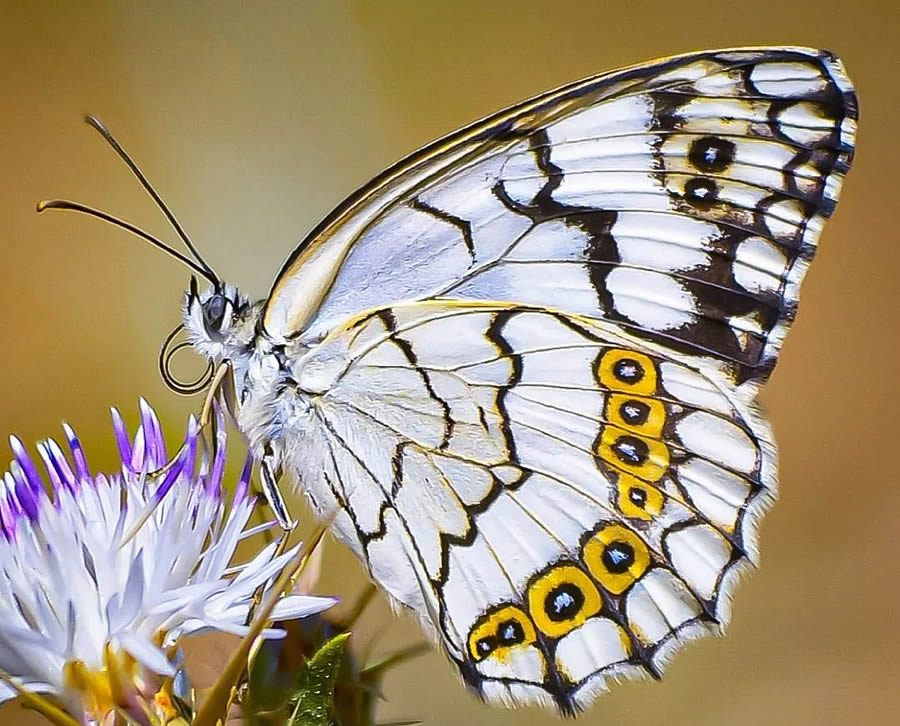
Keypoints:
pixel 223 325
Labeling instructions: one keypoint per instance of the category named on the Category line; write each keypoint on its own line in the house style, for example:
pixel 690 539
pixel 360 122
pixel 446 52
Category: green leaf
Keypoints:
pixel 315 686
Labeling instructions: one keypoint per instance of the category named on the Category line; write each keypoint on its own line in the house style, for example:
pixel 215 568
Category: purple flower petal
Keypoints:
pixel 171 477
pixel 151 439
pixel 61 464
pixel 121 434
pixel 7 510
pixel 190 462
pixel 243 485
pixel 55 479
pixel 156 442
pixel 139 453
pixel 160 440
pixel 77 452
pixel 25 495
pixel 28 468
pixel 214 484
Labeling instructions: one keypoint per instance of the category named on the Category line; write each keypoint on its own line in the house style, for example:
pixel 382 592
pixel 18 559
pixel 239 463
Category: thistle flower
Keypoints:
pixel 100 575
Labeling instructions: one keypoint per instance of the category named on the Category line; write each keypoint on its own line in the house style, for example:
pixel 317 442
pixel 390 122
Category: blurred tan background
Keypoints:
pixel 254 119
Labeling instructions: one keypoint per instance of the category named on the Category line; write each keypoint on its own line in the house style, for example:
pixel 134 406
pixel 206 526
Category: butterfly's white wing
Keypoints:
pixel 561 503
pixel 562 496
pixel 681 199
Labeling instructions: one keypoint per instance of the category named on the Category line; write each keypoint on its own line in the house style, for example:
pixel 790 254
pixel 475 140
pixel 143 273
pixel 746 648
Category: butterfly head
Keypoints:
pixel 220 322
pixel 217 320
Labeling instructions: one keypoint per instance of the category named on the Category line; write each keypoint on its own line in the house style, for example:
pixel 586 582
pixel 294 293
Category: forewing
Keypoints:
pixel 682 200
pixel 561 503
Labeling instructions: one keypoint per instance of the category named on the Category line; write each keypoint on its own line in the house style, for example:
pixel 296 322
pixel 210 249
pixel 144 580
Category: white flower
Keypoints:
pixel 101 574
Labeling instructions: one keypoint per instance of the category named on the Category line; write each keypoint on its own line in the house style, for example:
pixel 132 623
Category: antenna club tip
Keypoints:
pixel 96 123
pixel 45 204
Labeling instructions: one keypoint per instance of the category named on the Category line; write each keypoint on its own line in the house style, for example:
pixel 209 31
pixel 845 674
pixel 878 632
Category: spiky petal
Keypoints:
pixel 100 574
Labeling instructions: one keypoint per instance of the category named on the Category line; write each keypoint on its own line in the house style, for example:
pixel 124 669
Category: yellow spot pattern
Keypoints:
pixel 488 629
pixel 619 539
pixel 651 414
pixel 637 499
pixel 648 459
pixel 543 590
pixel 627 370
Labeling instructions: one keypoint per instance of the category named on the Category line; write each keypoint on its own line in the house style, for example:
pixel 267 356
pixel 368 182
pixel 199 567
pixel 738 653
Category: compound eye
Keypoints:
pixel 214 312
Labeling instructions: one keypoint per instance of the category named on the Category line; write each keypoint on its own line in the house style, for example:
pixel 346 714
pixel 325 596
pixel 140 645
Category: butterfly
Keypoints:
pixel 517 370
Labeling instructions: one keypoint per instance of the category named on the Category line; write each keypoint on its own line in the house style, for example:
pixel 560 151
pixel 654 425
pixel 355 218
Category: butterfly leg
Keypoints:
pixel 223 383
pixel 270 473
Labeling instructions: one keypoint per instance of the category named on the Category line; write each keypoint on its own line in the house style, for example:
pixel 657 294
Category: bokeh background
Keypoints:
pixel 254 119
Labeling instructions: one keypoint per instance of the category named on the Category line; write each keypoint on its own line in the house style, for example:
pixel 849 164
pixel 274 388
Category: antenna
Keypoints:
pixel 66 205
pixel 98 126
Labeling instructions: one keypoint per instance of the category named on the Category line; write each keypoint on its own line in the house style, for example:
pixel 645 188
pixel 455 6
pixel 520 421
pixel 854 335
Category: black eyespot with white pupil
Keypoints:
pixel 486 646
pixel 510 632
pixel 563 602
pixel 618 557
pixel 628 371
pixel 711 154
pixel 638 497
pixel 634 413
pixel 631 450
pixel 702 193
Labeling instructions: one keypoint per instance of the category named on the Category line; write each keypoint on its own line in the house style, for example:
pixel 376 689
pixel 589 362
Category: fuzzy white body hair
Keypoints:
pixel 258 373
pixel 275 384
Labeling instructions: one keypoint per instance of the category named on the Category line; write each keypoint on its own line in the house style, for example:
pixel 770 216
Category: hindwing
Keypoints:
pixel 561 503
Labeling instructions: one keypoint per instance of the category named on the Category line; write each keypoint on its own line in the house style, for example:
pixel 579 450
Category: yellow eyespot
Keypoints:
pixel 645 415
pixel 626 370
pixel 500 631
pixel 616 557
pixel 634 454
pixel 637 499
pixel 563 599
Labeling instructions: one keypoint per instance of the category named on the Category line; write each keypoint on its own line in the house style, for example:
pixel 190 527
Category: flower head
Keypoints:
pixel 101 574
